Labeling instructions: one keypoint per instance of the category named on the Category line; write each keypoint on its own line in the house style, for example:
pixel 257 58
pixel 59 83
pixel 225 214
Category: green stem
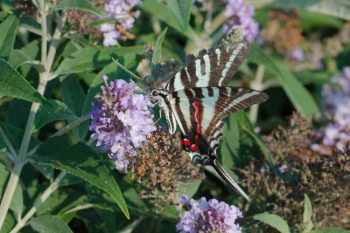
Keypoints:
pixel 52 188
pixel 258 85
pixel 10 190
pixel 21 158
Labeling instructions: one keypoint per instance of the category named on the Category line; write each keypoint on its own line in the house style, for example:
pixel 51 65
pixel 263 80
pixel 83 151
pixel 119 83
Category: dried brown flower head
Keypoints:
pixel 162 167
pixel 82 21
pixel 293 141
pixel 283 31
pixel 325 179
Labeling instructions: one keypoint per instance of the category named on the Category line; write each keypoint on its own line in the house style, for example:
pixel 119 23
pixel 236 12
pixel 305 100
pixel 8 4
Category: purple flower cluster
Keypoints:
pixel 121 12
pixel 337 102
pixel 121 121
pixel 208 216
pixel 240 15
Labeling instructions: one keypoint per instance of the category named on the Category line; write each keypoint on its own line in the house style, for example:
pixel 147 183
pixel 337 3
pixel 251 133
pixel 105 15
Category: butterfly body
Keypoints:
pixel 198 98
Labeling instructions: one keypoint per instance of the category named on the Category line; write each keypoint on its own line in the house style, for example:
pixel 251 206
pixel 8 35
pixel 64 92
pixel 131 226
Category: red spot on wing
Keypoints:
pixel 196 117
pixel 186 142
pixel 194 147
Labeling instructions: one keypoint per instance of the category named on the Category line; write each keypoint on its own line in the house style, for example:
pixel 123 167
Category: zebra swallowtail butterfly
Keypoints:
pixel 197 99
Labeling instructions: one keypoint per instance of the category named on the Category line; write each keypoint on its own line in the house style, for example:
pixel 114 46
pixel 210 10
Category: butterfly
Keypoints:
pixel 197 98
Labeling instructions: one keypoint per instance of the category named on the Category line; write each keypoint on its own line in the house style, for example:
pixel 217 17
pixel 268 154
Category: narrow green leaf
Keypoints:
pixel 49 224
pixel 336 8
pixel 80 160
pixel 274 221
pixel 330 230
pixel 157 52
pixel 13 84
pixel 182 11
pixel 299 96
pixel 245 125
pixel 307 209
pixel 52 110
pixel 84 5
pixel 7 38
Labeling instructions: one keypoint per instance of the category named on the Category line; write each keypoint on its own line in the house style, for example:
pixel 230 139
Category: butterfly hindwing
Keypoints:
pixel 200 111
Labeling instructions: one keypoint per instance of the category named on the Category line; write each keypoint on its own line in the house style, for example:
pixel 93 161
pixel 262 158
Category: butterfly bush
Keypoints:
pixel 208 216
pixel 337 102
pixel 121 12
pixel 121 120
pixel 240 15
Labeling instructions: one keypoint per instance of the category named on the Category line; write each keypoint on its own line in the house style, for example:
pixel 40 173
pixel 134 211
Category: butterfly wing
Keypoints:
pixel 214 67
pixel 200 111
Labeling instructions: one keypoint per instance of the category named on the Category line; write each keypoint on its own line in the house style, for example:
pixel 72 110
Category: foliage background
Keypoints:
pixel 54 178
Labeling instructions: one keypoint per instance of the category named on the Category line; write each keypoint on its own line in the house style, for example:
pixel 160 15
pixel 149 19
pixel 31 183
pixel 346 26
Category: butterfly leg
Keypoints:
pixel 160 117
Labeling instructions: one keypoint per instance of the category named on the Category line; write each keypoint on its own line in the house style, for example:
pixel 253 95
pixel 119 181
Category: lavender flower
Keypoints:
pixel 208 216
pixel 296 55
pixel 240 15
pixel 121 12
pixel 337 102
pixel 121 121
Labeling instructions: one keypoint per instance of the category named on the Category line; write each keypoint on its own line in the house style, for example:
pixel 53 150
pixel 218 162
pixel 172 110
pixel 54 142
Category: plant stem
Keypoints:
pixel 52 188
pixel 258 85
pixel 21 158
pixel 10 190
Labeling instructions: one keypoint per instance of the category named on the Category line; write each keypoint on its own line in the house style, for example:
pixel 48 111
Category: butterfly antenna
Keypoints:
pixel 126 70
pixel 220 170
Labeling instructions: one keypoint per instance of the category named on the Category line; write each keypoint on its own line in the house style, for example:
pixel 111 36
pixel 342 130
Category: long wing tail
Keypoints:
pixel 220 170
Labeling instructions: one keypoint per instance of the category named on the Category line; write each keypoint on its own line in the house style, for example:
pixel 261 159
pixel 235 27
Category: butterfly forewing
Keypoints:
pixel 200 111
pixel 214 67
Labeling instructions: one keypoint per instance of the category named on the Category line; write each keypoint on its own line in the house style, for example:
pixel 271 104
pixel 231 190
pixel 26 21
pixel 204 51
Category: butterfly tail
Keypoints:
pixel 220 170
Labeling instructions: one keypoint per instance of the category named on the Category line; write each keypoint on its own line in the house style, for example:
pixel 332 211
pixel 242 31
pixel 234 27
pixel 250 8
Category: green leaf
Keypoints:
pixel 83 60
pixel 297 93
pixel 73 96
pixel 245 125
pixel 13 84
pixel 307 209
pixel 7 38
pixel 274 221
pixel 17 201
pixel 157 52
pixel 167 15
pixel 330 230
pixel 336 8
pixel 80 160
pixel 52 110
pixel 84 5
pixel 49 224
pixel 182 11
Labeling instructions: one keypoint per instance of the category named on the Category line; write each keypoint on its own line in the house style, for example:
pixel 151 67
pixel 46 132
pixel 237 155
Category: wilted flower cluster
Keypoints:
pixel 121 121
pixel 122 12
pixel 323 178
pixel 163 168
pixel 337 102
pixel 240 15
pixel 208 216
pixel 284 33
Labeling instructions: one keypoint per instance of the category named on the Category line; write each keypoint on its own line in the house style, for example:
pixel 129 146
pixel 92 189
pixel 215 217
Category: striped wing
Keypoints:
pixel 214 68
pixel 200 111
